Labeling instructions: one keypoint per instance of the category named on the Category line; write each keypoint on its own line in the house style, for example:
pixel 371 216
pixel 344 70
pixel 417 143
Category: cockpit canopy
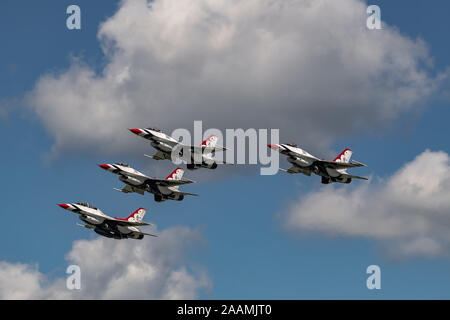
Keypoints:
pixel 85 204
pixel 123 164
pixel 154 129
pixel 292 144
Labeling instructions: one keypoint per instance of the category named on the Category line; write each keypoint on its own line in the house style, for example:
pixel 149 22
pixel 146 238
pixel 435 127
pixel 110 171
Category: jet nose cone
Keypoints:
pixel 274 146
pixel 136 131
pixel 104 166
pixel 63 205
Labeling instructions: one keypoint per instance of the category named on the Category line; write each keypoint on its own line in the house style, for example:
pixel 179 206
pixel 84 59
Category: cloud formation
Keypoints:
pixel 126 269
pixel 303 66
pixel 408 213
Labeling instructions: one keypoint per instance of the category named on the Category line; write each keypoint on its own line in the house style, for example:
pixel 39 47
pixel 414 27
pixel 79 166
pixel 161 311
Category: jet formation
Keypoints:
pixel 195 157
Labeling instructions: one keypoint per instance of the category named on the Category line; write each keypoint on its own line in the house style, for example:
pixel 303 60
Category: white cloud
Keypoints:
pixel 310 68
pixel 19 281
pixel 125 269
pixel 409 213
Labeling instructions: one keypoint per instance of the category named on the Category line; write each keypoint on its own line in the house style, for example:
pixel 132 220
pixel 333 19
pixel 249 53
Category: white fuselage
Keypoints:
pixel 306 163
pixel 140 181
pixel 97 220
pixel 171 149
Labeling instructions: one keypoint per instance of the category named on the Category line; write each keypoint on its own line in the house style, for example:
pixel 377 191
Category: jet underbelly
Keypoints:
pixel 164 190
pixel 91 220
pixel 131 180
pixel 161 146
pixel 300 162
pixel 333 173
pixel 127 230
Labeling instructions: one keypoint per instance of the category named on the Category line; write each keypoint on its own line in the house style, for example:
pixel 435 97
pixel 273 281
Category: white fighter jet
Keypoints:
pixel 195 156
pixel 163 189
pixel 108 226
pixel 330 171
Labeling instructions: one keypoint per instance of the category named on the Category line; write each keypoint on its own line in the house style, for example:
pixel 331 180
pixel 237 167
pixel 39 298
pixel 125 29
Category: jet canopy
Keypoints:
pixel 123 164
pixel 291 144
pixel 154 129
pixel 85 204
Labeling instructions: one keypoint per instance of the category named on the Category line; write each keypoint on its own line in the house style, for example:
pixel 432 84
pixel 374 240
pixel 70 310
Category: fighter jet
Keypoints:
pixel 167 147
pixel 330 171
pixel 163 189
pixel 107 226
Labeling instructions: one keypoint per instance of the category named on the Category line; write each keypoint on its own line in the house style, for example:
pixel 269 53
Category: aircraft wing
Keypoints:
pixel 169 183
pixel 124 222
pixel 340 165
pixel 204 149
pixel 354 177
pixel 147 234
pixel 186 193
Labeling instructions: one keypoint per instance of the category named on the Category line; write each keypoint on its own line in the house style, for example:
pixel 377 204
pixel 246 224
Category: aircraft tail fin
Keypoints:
pixel 137 216
pixel 344 156
pixel 176 174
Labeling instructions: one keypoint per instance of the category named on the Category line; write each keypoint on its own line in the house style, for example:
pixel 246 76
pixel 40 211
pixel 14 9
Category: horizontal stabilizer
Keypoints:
pixel 355 177
pixel 148 234
pixel 358 164
pixel 188 194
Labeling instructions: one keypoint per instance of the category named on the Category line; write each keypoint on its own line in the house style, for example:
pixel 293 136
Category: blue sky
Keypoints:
pixel 247 253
